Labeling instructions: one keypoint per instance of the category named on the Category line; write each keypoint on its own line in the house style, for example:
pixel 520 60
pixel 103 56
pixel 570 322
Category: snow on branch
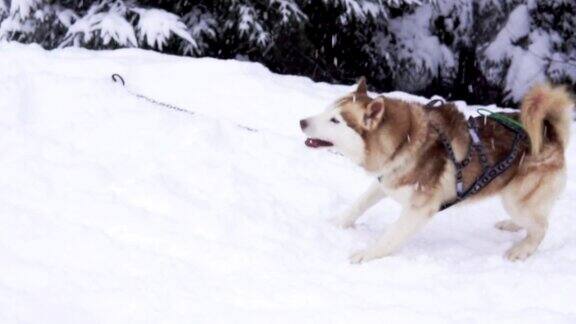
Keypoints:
pixel 201 25
pixel 362 9
pixel 250 27
pixel 66 17
pixel 23 8
pixel 101 25
pixel 414 48
pixel 17 21
pixel 155 27
pixel 3 8
pixel 359 9
pixel 524 51
pixel 288 10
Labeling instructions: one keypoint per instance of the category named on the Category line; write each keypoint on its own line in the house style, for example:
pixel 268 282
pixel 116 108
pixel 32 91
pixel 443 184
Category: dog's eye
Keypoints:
pixel 334 120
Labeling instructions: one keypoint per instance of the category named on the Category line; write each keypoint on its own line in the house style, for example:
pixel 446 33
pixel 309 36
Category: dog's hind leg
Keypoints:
pixel 536 224
pixel 410 221
pixel 368 199
pixel 529 202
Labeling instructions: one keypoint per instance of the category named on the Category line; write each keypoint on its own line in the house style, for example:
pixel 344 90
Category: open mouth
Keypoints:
pixel 316 143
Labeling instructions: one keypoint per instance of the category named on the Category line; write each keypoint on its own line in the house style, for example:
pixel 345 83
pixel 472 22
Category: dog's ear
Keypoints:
pixel 362 88
pixel 373 114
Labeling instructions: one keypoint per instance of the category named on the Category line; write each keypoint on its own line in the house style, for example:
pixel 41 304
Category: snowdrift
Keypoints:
pixel 113 210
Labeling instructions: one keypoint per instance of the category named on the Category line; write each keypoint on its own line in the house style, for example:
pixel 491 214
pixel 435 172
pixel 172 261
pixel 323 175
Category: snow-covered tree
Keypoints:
pixel 202 26
pixel 31 21
pixel 535 45
pixel 477 50
pixel 418 55
pixel 104 24
pixel 3 9
pixel 556 20
pixel 156 26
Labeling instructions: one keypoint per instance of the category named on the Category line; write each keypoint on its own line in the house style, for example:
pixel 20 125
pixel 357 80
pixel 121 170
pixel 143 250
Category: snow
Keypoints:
pixel 250 27
pixel 113 26
pixel 416 43
pixel 527 66
pixel 16 19
pixel 155 27
pixel 109 25
pixel 202 25
pixel 114 210
pixel 8 25
pixel 288 10
pixel 66 17
pixel 23 8
pixel 517 26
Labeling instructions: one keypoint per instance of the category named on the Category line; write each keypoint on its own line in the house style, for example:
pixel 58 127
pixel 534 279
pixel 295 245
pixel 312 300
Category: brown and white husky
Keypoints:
pixel 395 141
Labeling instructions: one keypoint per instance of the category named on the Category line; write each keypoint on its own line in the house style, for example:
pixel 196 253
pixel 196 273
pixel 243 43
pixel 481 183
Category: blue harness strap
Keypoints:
pixel 489 172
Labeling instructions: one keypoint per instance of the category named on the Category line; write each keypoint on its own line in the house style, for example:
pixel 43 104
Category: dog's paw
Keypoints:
pixel 362 256
pixel 507 225
pixel 520 251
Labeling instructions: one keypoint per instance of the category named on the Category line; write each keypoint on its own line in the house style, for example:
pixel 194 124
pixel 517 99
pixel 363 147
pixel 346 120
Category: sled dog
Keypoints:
pixel 397 142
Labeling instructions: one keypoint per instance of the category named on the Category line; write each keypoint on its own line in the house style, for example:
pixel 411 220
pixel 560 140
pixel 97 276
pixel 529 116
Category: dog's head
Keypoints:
pixel 346 124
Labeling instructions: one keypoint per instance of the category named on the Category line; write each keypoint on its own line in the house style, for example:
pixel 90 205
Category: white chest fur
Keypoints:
pixel 402 195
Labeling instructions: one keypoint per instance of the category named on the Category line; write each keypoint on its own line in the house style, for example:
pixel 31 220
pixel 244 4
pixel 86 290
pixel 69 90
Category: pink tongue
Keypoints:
pixel 315 143
pixel 310 143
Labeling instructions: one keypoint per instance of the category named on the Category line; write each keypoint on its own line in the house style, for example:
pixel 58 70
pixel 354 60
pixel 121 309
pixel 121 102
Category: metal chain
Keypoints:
pixel 163 104
pixel 117 78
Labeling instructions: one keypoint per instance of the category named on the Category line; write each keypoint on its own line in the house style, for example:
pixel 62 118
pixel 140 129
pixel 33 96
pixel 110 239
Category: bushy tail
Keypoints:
pixel 544 107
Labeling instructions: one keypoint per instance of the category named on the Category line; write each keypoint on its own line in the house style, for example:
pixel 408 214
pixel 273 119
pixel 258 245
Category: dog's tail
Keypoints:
pixel 546 114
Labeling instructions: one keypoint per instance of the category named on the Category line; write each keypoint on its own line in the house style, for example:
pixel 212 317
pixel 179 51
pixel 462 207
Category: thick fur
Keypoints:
pixel 395 140
pixel 546 104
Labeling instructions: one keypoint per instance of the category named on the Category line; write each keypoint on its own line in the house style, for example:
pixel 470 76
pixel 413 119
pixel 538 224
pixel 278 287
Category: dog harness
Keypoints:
pixel 489 172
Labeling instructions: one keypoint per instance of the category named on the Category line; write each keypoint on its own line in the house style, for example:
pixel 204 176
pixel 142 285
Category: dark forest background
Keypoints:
pixel 483 51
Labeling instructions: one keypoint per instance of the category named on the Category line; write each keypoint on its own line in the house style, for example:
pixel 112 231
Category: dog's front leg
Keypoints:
pixel 368 199
pixel 411 220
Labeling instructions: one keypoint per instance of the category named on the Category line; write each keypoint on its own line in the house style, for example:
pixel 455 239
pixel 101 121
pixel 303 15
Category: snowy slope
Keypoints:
pixel 113 210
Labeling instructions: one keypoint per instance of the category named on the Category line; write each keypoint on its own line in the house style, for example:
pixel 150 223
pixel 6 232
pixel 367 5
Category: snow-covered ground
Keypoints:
pixel 113 210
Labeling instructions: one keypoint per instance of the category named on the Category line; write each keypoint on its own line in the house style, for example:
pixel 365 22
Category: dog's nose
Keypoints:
pixel 303 124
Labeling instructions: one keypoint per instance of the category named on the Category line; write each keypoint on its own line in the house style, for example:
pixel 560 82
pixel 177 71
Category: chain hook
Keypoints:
pixel 117 77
